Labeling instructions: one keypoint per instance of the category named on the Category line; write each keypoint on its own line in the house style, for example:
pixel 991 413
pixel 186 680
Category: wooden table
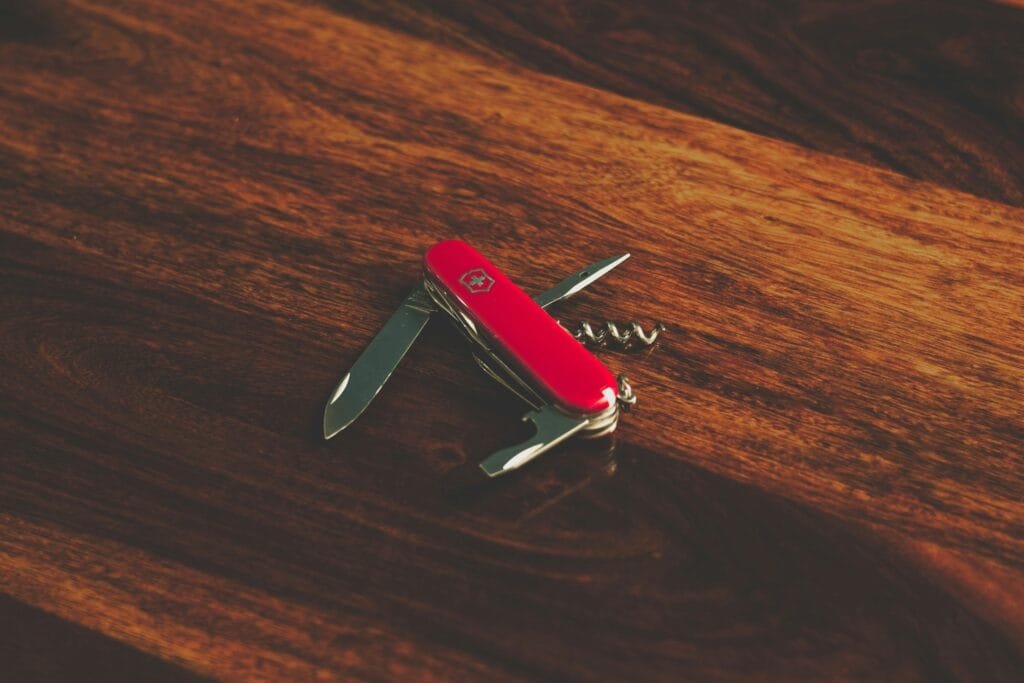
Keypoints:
pixel 208 209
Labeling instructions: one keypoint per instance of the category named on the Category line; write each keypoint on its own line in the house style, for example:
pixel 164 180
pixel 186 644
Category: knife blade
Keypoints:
pixel 578 280
pixel 372 369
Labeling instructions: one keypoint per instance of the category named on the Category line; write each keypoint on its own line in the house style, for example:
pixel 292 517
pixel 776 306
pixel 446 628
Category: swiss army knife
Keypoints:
pixel 514 340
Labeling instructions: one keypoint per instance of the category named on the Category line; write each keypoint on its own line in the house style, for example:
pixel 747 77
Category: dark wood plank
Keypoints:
pixel 71 652
pixel 207 210
pixel 929 89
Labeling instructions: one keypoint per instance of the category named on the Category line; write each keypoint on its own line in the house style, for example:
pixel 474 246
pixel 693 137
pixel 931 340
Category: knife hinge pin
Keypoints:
pixel 626 397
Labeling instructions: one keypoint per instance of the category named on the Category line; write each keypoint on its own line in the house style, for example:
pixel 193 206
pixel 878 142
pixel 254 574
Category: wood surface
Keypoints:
pixel 208 209
pixel 934 90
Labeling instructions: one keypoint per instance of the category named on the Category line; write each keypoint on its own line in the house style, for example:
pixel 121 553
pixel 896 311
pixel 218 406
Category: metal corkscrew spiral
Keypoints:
pixel 631 337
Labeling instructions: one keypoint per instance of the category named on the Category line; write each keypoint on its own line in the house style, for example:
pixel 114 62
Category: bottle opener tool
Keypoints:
pixel 515 341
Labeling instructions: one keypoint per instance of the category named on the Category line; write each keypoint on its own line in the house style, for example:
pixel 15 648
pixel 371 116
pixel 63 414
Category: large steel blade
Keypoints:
pixel 373 368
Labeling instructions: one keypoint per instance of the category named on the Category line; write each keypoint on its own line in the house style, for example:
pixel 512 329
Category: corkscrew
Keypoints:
pixel 628 337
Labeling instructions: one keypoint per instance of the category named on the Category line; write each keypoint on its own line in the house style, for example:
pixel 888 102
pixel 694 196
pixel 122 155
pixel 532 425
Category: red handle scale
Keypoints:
pixel 524 334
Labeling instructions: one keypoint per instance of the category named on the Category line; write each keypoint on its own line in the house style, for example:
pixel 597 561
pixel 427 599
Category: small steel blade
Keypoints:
pixel 579 280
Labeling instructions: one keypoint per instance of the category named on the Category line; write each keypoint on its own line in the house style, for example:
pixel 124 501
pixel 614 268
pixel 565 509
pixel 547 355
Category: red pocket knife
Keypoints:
pixel 515 341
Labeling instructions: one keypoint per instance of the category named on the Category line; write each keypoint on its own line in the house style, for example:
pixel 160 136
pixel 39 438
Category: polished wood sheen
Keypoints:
pixel 929 88
pixel 208 209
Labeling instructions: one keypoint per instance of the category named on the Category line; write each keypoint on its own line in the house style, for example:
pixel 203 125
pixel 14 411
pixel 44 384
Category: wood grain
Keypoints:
pixel 71 652
pixel 207 210
pixel 934 90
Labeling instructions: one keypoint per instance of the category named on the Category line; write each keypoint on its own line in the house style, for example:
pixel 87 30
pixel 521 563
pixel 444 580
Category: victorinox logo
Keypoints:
pixel 477 281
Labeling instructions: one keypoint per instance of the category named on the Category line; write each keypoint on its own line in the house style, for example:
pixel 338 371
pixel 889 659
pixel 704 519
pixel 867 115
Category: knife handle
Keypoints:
pixel 520 331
